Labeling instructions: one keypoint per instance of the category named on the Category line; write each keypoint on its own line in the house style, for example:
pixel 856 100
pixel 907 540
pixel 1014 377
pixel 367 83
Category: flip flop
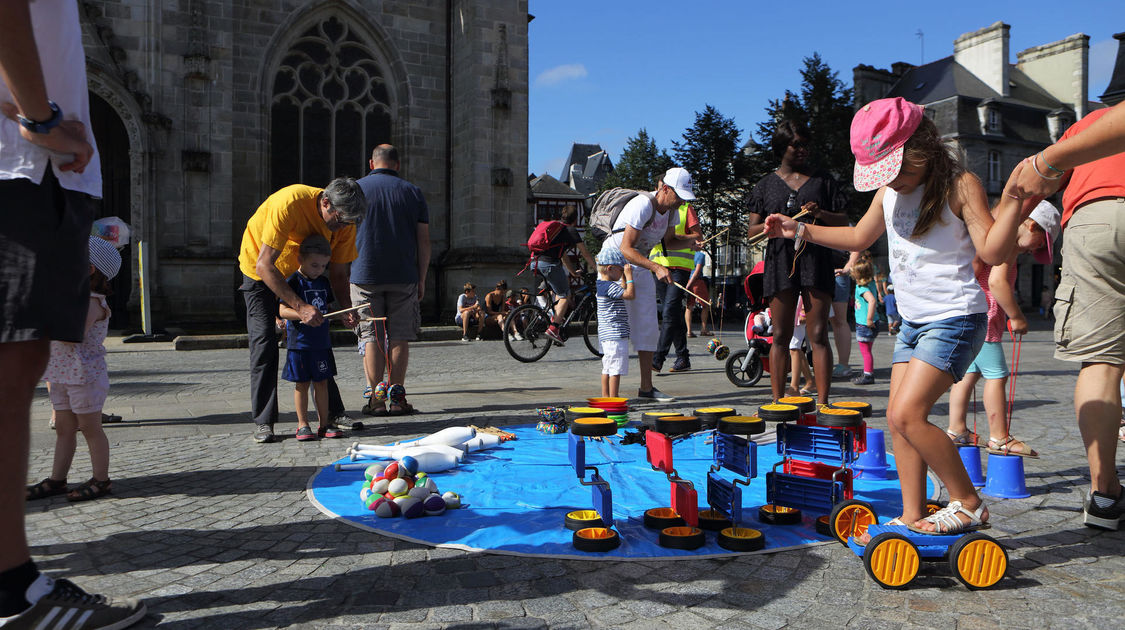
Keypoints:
pixel 1005 448
pixel 949 525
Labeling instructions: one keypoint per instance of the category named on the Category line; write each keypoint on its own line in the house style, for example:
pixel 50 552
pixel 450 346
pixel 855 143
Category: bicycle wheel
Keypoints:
pixel 590 331
pixel 524 333
pixel 739 377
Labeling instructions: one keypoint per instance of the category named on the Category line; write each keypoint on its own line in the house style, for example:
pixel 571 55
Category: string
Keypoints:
pixel 384 346
pixel 1017 347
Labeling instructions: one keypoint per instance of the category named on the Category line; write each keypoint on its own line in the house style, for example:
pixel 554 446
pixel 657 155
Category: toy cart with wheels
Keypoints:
pixel 894 555
pixel 733 451
pixel 816 447
pixel 593 529
pixel 679 523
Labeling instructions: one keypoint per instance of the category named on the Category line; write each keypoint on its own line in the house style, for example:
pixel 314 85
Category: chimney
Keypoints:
pixel 1062 69
pixel 1115 91
pixel 985 54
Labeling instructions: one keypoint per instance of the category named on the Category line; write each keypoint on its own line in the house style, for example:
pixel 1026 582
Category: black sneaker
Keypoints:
pixel 61 604
pixel 654 394
pixel 681 365
pixel 867 378
pixel 1104 517
pixel 331 432
pixel 304 434
pixel 263 434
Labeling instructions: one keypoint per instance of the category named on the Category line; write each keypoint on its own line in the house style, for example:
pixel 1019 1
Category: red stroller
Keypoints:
pixel 746 366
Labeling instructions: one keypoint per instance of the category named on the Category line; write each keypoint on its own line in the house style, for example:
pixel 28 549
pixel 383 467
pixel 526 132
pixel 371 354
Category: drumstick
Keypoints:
pixel 687 290
pixel 716 235
pixel 757 238
pixel 346 310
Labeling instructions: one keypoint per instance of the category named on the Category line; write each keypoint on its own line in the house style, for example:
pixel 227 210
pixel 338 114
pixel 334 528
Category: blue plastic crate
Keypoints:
pixel 809 493
pixel 816 444
pixel 736 454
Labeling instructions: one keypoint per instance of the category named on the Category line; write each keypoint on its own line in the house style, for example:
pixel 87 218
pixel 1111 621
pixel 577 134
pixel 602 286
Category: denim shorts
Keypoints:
pixel 556 276
pixel 865 333
pixel 990 361
pixel 843 290
pixel 950 344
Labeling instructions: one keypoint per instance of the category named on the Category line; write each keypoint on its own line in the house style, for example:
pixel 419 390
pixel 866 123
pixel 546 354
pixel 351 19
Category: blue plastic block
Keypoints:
pixel 736 454
pixel 723 495
pixel 815 444
pixel 602 498
pixel 816 495
pixel 577 452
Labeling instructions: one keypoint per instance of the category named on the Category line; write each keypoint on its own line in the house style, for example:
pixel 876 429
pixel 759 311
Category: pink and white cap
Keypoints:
pixel 879 131
pixel 1047 216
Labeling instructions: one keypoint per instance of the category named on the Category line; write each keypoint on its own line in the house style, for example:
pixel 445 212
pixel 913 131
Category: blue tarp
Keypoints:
pixel 519 493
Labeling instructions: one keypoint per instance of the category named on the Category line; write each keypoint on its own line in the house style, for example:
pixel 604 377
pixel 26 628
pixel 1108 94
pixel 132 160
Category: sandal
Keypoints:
pixel 964 438
pixel 46 488
pixel 896 521
pixel 997 447
pixel 91 489
pixel 947 522
pixel 405 409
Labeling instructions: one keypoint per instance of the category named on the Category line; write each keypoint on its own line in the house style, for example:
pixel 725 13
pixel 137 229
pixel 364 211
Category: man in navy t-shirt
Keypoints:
pixel 393 246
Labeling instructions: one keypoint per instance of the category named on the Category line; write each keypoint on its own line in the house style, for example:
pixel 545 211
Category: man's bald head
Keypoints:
pixel 385 156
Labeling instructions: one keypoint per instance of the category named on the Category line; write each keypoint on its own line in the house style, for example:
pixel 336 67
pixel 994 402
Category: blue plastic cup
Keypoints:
pixel 1005 477
pixel 970 456
pixel 872 463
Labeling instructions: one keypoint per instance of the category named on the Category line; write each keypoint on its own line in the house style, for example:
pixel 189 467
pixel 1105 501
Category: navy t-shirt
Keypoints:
pixel 317 292
pixel 387 239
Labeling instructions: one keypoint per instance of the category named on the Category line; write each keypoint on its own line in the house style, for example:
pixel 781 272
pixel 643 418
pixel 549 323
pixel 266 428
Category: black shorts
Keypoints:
pixel 44 260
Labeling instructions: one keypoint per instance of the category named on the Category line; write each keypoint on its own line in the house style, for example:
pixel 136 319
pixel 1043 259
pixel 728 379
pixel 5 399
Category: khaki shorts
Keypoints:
pixel 1090 299
pixel 397 302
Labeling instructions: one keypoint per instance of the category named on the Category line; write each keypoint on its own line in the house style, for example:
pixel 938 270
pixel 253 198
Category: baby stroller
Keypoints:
pixel 746 366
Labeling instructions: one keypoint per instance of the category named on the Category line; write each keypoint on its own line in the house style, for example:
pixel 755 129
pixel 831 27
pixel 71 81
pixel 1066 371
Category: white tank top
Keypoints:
pixel 933 274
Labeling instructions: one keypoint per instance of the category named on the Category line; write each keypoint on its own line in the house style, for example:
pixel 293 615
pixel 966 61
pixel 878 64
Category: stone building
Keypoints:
pixel 202 108
pixel 993 112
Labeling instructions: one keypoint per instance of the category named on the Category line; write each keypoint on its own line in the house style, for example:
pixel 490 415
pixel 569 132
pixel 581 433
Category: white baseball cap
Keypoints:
pixel 1047 216
pixel 680 181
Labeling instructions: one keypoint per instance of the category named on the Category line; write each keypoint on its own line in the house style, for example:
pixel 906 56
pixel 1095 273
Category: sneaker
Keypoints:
pixel 58 602
pixel 681 365
pixel 479 338
pixel 1103 517
pixel 304 434
pixel 465 339
pixel 654 394
pixel 867 378
pixel 552 333
pixel 263 434
pixel 657 365
pixel 517 336
pixel 331 432
pixel 841 371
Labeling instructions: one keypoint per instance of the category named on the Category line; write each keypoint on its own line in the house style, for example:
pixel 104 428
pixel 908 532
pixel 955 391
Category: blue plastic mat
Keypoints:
pixel 518 495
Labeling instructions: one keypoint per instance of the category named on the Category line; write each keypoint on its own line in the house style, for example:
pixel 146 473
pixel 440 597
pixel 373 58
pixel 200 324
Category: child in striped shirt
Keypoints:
pixel 615 285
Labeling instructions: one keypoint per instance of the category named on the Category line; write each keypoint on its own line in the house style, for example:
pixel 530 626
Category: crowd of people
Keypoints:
pixel 366 243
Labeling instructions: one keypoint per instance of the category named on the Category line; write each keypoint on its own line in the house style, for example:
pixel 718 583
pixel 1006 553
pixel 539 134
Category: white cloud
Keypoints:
pixel 559 74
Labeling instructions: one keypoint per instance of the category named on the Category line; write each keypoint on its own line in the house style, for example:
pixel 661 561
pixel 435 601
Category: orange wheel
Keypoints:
pixel 851 518
pixel 595 539
pixel 778 412
pixel 682 537
pixel 978 561
pixel 861 407
pixel 805 403
pixel 678 425
pixel 581 519
pixel 741 539
pixel 891 560
pixel 713 520
pixel 593 427
pixel 779 515
pixel 741 425
pixel 662 517
pixel 838 418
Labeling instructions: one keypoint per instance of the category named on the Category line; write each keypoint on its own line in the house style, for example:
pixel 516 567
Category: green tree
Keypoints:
pixel 641 164
pixel 825 104
pixel 712 152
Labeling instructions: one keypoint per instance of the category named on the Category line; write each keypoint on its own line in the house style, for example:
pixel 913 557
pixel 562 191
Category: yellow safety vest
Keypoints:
pixel 675 258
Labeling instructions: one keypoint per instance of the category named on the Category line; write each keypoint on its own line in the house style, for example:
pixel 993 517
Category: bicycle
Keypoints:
pixel 526 326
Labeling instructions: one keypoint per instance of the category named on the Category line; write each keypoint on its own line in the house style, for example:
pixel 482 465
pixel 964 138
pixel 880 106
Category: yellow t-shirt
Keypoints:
pixel 283 220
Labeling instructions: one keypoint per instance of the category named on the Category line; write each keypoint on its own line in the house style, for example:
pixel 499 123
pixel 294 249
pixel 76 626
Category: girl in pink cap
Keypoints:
pixel 937 219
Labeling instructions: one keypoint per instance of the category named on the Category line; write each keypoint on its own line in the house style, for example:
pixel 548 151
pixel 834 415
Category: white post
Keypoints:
pixel 142 271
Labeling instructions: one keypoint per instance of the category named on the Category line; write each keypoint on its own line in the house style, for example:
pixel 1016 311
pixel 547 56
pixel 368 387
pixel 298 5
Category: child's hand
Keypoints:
pixel 780 226
pixel 1018 324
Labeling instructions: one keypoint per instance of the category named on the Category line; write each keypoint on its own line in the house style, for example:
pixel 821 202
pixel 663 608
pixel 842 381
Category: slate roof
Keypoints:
pixel 945 78
pixel 579 154
pixel 547 186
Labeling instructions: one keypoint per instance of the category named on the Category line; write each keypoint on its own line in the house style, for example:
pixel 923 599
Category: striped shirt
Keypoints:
pixel 613 320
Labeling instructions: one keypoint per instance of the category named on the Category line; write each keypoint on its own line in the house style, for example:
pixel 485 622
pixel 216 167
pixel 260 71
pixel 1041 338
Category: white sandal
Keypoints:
pixel 964 438
pixel 947 523
pixel 1004 447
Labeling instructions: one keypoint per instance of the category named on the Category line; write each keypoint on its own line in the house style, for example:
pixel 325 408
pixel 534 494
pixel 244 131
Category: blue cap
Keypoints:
pixel 610 255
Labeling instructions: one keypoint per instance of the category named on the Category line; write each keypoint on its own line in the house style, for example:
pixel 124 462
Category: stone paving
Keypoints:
pixel 214 531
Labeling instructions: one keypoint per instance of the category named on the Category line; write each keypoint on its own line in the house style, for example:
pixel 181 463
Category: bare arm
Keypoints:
pixel 1105 137
pixel 695 273
pixel 424 250
pixel 266 268
pixel 629 250
pixel 287 313
pixel 827 216
pixel 995 240
pixel 23 74
pixel 870 299
pixel 627 284
pixel 852 239
pixel 1002 291
pixel 585 252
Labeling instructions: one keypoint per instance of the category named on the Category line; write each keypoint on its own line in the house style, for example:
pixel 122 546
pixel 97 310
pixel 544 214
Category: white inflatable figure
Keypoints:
pixel 482 442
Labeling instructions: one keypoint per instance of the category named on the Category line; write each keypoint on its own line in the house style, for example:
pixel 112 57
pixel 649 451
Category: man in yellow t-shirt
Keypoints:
pixel 269 255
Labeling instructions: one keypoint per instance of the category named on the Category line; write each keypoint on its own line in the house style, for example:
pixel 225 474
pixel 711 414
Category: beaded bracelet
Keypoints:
pixel 1043 156
pixel 1040 173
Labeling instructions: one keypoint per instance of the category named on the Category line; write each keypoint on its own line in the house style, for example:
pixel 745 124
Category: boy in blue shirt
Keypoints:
pixel 615 285
pixel 309 360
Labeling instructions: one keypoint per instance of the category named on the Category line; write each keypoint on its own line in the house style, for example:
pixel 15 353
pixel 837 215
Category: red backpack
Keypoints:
pixel 543 234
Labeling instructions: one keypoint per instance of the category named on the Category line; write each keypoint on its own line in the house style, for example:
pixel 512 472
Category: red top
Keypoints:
pixel 996 315
pixel 1094 180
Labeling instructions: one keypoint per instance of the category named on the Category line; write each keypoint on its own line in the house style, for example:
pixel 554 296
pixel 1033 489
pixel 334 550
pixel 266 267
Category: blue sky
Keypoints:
pixel 599 71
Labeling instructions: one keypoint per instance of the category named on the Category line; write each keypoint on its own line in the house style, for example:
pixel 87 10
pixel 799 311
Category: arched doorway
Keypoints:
pixel 113 148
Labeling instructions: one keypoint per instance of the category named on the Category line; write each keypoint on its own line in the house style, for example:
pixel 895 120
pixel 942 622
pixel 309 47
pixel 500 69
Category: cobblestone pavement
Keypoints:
pixel 214 531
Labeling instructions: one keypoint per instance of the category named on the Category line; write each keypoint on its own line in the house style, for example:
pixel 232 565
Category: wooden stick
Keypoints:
pixel 716 235
pixel 758 238
pixel 347 310
pixel 687 290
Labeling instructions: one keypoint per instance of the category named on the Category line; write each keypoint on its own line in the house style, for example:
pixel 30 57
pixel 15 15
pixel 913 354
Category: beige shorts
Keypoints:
pixel 1090 299
pixel 397 302
pixel 81 399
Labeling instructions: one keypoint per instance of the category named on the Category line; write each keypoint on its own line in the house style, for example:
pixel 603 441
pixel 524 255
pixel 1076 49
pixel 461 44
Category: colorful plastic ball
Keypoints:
pixel 374 470
pixel 420 478
pixel 452 500
pixel 386 508
pixel 411 507
pixel 722 352
pixel 396 394
pixel 711 345
pixel 380 391
pixel 391 471
pixel 429 484
pixel 379 485
pixel 419 492
pixel 409 464
pixel 434 505
pixel 398 487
